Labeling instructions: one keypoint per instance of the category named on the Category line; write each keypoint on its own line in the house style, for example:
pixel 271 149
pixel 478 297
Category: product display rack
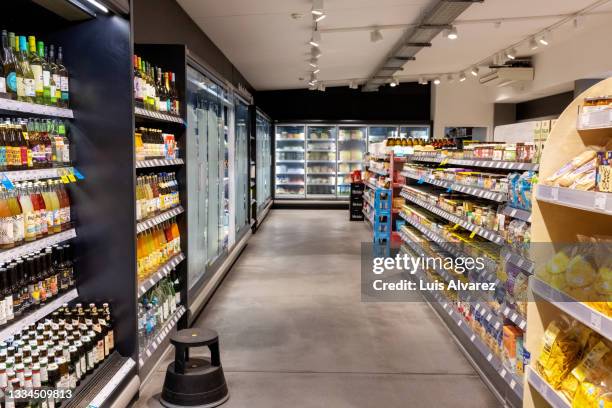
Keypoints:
pixel 582 213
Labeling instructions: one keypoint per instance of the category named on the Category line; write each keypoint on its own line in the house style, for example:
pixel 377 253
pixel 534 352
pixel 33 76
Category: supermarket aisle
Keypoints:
pixel 294 331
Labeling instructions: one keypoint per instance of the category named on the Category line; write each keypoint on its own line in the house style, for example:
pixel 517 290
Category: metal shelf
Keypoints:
pixel 158 163
pixel 290 184
pixel 40 313
pixel 162 333
pixel 578 310
pixel 378 171
pixel 281 139
pixel 289 161
pixel 551 396
pixel 163 271
pixel 492 164
pixel 34 246
pixel 369 185
pixel 320 161
pixel 38 174
pixel 582 200
pixel 523 215
pixel 515 317
pixel 159 116
pixel 33 108
pixel 462 188
pixel 158 219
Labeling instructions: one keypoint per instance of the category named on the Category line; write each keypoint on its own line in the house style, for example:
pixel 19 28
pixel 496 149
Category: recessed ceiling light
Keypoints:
pixel 533 44
pixel 422 81
pixel 394 82
pixel 321 86
pixel 452 34
pixel 353 85
pixel 437 81
pixel 98 5
pixel 313 62
pixel 317 7
pixel 474 71
pixel 315 40
pixel 376 35
pixel 462 77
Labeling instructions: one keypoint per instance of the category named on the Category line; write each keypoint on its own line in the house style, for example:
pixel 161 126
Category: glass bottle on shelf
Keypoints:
pixel 46 74
pixel 138 91
pixel 9 67
pixel 36 65
pixel 25 77
pixel 56 79
pixel 64 81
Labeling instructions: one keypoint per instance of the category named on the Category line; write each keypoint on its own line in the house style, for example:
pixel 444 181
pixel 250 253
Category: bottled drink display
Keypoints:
pixel 57 352
pixel 29 282
pixel 154 144
pixel 33 144
pixel 156 246
pixel 156 193
pixel 153 89
pixel 33 210
pixel 156 307
pixel 32 72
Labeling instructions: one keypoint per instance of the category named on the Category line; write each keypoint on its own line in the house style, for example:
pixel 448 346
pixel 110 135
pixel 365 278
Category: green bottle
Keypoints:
pixel 29 84
pixel 36 65
pixel 46 74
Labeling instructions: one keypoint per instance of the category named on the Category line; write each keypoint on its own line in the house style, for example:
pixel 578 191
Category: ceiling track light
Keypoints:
pixel 316 71
pixel 98 5
pixel 394 82
pixel 313 63
pixel 474 71
pixel 462 77
pixel 315 39
pixel 437 81
pixel 352 85
pixel 315 52
pixel 321 87
pixel 450 78
pixel 451 33
pixel 319 18
pixel 543 40
pixel 376 35
pixel 511 53
pixel 422 81
pixel 533 44
pixel 317 7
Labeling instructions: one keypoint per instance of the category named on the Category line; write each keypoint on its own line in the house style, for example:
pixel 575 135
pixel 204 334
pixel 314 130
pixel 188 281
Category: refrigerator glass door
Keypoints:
pixel 321 162
pixel 289 172
pixel 415 132
pixel 264 159
pixel 241 165
pixel 351 151
pixel 377 134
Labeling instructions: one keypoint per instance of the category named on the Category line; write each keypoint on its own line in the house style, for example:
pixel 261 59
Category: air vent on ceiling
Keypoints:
pixel 503 76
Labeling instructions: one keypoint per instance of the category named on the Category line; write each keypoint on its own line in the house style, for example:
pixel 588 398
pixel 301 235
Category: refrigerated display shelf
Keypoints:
pixel 595 120
pixel 321 150
pixel 161 335
pixel 519 214
pixel 319 174
pixel 368 200
pixel 163 271
pixel 33 108
pixel 158 219
pixel 591 201
pixel 320 161
pixel 38 174
pixel 287 173
pixel 321 184
pixel 290 150
pixel 379 171
pixel 159 116
pixel 289 161
pixel 34 246
pixel 351 161
pixel 368 217
pixel 555 399
pixel 578 310
pixel 284 139
pixel 462 188
pixel 158 163
pixel 16 326
pixel 493 164
pixel 321 140
pixel 369 185
pixel 290 184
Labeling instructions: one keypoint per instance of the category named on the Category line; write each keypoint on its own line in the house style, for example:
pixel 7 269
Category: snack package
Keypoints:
pixel 604 171
pixel 511 335
pixel 578 161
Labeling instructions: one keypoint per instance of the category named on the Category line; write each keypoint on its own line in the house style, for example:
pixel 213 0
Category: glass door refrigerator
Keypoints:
pixel 378 134
pixel 289 170
pixel 263 160
pixel 321 162
pixel 415 132
pixel 351 151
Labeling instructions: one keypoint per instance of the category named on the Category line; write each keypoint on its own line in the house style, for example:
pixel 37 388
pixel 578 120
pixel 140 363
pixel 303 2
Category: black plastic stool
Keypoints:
pixel 194 382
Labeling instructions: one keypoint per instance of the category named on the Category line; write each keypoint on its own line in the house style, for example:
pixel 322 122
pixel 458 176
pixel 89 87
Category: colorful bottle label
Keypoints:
pixel 8 307
pixel 18 228
pixel 11 81
pixel 30 225
pixel 38 77
pixel 6 231
pixel 29 87
pixel 2 85
pixel 3 156
pixel 20 88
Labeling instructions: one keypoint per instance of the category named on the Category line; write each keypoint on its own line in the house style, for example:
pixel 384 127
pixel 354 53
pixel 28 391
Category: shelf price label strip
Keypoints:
pixel 158 163
pixel 462 188
pixel 162 334
pixel 495 164
pixel 545 390
pixel 158 115
pixel 158 219
pixel 26 107
pixel 161 272
pixel 38 314
pixel 114 382
pixel 10 254
pixel 583 200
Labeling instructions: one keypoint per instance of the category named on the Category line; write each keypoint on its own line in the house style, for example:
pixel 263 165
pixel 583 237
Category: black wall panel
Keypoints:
pixel 548 106
pixel 406 102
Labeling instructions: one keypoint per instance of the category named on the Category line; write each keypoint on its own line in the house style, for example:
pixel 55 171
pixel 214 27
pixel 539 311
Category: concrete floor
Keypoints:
pixel 294 331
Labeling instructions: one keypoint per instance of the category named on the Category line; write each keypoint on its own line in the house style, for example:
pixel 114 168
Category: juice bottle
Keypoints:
pixel 17 217
pixel 177 237
pixel 64 202
pixel 6 223
pixel 139 257
pixel 29 217
pixel 41 211
pixel 46 196
pixel 55 207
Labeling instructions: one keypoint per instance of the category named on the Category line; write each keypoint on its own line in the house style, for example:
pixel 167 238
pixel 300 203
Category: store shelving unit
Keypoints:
pixel 559 216
pixel 144 225
pixel 462 188
pixel 491 164
pixel 262 154
pixel 161 337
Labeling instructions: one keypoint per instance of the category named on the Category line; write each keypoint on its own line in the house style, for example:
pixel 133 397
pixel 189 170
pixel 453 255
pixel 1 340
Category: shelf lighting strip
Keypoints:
pixel 26 107
pixel 158 163
pixel 158 115
pixel 493 164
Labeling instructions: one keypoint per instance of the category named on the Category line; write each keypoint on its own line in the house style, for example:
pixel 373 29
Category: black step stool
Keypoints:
pixel 194 382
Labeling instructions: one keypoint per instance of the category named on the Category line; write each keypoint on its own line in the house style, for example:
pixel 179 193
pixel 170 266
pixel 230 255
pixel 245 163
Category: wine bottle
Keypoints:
pixel 9 63
pixel 36 64
pixel 29 80
pixel 64 86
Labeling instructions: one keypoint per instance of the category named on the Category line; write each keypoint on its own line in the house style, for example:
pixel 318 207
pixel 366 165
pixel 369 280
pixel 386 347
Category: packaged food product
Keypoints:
pixel 569 178
pixel 604 171
pixel 575 163
pixel 511 335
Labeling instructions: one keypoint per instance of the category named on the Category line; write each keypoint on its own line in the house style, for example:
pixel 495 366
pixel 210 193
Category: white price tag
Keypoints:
pixel 554 193
pixel 600 201
pixel 512 384
pixel 459 323
pixel 477 307
pixel 444 306
pixel 472 338
pixel 489 317
pixel 148 353
pixel 544 389
pixel 514 316
pixel 497 324
pixel 506 311
pixel 489 357
pixel 523 325
pixel 596 321
pixel 503 372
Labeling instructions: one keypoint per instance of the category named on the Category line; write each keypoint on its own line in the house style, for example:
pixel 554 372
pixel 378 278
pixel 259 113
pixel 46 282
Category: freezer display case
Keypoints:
pixel 377 134
pixel 263 159
pixel 241 162
pixel 351 151
pixel 414 132
pixel 321 161
pixel 289 153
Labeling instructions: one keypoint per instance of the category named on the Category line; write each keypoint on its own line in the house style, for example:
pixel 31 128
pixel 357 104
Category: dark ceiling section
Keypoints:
pixel 165 22
pixel 552 105
pixel 408 102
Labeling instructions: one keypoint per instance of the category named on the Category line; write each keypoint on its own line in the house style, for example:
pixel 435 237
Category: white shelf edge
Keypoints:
pixel 161 335
pixel 493 164
pixel 462 188
pixel 37 174
pixel 38 314
pixel 37 245
pixel 158 115
pixel 551 396
pixel 110 386
pixel 158 219
pixel 163 271
pixel 592 201
pixel 158 163
pixel 26 107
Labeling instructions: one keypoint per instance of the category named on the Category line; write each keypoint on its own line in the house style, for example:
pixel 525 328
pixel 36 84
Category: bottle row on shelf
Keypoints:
pixel 156 246
pixel 155 90
pixel 30 72
pixel 32 211
pixel 156 307
pixel 156 193
pixel 33 144
pixel 154 144
pixel 31 281
pixel 57 353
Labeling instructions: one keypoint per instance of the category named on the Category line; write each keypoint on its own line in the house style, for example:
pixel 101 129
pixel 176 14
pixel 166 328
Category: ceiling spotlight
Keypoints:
pixel 543 40
pixel 451 33
pixel 315 52
pixel 316 71
pixel 313 62
pixel 394 82
pixel 474 71
pixel 317 7
pixel 353 85
pixel 319 18
pixel 450 78
pixel 437 81
pixel 376 35
pixel 315 40
pixel 422 81
pixel 533 44
pixel 321 86
pixel 511 53
pixel 462 77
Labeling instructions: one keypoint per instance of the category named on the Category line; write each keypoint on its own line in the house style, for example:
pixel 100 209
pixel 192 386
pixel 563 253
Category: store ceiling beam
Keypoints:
pixel 440 16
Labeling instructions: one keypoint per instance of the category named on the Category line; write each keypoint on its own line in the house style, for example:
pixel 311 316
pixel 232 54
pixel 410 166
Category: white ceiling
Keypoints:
pixel 271 49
